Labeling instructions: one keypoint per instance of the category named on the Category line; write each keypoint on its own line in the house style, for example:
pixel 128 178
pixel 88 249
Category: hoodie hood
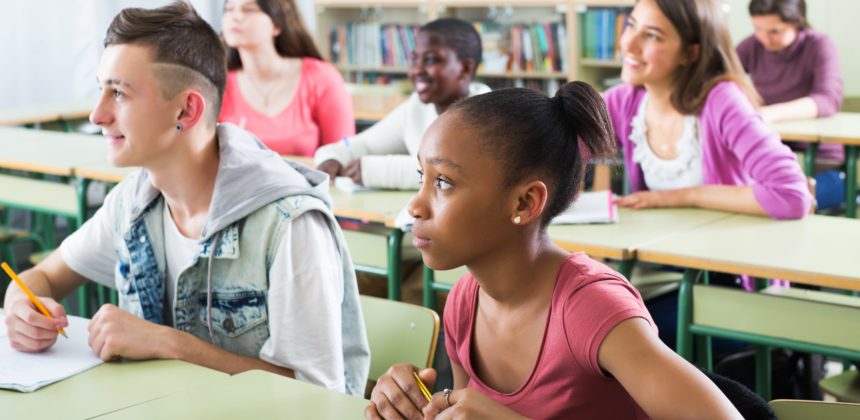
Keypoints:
pixel 249 177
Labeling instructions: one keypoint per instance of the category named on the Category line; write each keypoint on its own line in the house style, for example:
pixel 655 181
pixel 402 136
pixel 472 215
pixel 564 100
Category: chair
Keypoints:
pixel 45 199
pixel 803 320
pixel 398 332
pixel 845 387
pixel 817 410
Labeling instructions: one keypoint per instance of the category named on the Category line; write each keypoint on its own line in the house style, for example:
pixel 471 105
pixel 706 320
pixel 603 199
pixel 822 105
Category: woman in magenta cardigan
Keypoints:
pixel 685 122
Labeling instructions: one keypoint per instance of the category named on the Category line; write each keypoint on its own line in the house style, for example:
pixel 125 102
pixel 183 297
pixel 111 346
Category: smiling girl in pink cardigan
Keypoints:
pixel 685 122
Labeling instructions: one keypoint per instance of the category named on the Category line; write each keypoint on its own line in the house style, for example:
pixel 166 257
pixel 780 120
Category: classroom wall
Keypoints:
pixel 51 48
pixel 836 18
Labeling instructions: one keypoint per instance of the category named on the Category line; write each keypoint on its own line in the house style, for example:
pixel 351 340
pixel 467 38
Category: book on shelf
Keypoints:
pixel 371 45
pixel 601 32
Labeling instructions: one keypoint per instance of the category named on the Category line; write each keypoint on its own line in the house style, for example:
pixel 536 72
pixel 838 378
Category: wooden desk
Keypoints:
pixel 49 153
pixel 51 111
pixel 818 250
pixel 842 128
pixel 248 395
pixel 104 172
pixel 374 107
pixel 635 228
pixel 106 388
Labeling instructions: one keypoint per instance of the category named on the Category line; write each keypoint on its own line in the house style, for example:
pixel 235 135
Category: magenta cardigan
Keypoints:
pixel 737 149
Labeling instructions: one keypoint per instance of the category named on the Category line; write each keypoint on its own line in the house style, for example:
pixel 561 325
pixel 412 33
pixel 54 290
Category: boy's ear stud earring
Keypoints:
pixel 517 220
pixel 178 127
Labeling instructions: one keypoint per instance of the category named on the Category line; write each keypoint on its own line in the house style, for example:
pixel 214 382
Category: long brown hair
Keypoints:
pixel 701 22
pixel 293 40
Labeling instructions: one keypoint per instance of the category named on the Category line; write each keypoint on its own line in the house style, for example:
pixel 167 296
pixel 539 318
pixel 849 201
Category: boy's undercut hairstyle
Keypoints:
pixel 459 36
pixel 789 11
pixel 535 137
pixel 186 51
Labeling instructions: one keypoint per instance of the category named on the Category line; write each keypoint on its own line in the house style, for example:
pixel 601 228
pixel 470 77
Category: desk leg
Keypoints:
pixel 809 159
pixel 395 242
pixel 625 267
pixel 685 314
pixel 851 181
pixel 762 372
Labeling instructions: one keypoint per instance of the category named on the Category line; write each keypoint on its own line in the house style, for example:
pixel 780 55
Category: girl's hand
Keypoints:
pixel 353 170
pixel 653 199
pixel 466 403
pixel 397 395
pixel 331 167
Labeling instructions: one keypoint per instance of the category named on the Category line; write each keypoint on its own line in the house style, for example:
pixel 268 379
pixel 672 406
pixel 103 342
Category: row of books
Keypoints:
pixel 371 44
pixel 528 47
pixel 601 32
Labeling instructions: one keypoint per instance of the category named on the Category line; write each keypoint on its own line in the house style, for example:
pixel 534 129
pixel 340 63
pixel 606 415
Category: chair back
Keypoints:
pixel 398 332
pixel 817 410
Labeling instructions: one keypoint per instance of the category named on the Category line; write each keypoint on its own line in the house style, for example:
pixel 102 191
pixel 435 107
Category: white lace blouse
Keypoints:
pixel 684 171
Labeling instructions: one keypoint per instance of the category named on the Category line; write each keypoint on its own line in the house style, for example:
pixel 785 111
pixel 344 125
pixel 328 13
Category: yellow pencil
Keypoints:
pixel 423 387
pixel 30 295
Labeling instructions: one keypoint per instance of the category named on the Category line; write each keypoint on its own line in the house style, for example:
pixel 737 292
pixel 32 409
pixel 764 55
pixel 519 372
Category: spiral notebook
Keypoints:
pixel 27 372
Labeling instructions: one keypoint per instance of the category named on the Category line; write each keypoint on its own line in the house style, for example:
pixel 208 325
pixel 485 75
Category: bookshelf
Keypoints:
pixel 529 43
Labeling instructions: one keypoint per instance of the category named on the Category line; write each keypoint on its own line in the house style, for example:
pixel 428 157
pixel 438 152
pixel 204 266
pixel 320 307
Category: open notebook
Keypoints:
pixel 27 372
pixel 590 207
pixel 347 185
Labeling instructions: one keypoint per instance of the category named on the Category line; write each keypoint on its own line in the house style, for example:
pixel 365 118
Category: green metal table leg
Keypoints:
pixel 762 372
pixel 809 159
pixel 851 181
pixel 704 353
pixel 625 267
pixel 685 314
pixel 395 240
pixel 429 293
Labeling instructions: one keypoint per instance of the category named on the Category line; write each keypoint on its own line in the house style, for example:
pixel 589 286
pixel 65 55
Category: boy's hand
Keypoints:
pixel 115 333
pixel 29 330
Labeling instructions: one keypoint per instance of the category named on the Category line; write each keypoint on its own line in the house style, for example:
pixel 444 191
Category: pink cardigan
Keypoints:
pixel 737 149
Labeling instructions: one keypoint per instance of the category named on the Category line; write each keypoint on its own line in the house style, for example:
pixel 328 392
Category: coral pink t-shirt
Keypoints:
pixel 320 112
pixel 588 301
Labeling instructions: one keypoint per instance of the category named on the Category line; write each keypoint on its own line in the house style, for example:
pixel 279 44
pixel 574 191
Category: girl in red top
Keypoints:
pixel 278 86
pixel 533 331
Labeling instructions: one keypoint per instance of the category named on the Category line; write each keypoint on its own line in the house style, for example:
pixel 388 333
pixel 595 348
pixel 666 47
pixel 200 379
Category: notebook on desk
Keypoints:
pixel 347 185
pixel 27 372
pixel 590 207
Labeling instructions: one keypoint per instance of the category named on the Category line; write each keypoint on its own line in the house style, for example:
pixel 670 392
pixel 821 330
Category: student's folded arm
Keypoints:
pixel 779 186
pixel 827 84
pixel 662 383
pixel 399 172
pixel 306 288
pixel 384 137
pixel 191 349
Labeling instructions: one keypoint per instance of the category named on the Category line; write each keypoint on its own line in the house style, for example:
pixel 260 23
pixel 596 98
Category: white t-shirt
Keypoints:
pixel 305 288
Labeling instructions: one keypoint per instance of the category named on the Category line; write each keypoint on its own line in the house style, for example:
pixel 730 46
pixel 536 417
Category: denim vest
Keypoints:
pixel 235 294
